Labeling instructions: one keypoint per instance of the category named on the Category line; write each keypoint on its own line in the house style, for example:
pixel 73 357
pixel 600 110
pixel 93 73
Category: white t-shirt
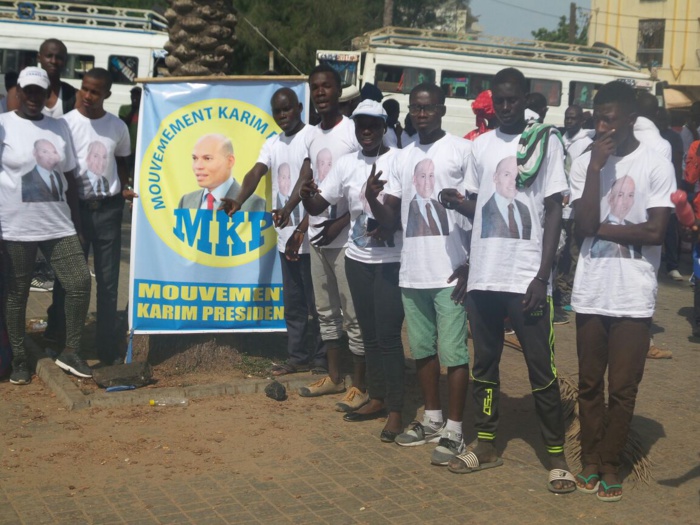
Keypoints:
pixel 324 148
pixel 98 142
pixel 576 145
pixel 286 154
pixel 390 138
pixel 348 180
pixel 506 250
pixel 57 110
pixel 34 154
pixel 613 279
pixel 436 240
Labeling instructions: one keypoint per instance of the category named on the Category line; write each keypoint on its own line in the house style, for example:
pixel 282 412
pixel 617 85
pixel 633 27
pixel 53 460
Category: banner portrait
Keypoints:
pixel 194 268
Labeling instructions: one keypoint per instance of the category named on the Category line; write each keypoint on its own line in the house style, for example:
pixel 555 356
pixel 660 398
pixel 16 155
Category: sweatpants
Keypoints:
pixel 487 312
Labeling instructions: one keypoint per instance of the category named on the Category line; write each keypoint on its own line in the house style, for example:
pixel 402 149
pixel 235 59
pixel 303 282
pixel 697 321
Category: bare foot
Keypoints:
pixel 614 488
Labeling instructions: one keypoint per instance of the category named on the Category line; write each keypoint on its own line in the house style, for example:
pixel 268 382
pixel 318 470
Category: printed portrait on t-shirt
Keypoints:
pixel 44 182
pixel 365 223
pixel 621 200
pixel 324 163
pixel 284 188
pixel 94 180
pixel 426 216
pixel 503 215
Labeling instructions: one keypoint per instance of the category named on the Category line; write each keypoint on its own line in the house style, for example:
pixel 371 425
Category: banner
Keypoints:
pixel 193 268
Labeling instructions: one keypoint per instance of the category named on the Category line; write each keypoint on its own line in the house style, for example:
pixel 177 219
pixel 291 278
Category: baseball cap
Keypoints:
pixel 33 76
pixel 370 108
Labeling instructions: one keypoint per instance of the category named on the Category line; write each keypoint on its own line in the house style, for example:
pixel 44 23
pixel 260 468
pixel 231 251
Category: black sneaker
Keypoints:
pixel 20 374
pixel 560 317
pixel 73 363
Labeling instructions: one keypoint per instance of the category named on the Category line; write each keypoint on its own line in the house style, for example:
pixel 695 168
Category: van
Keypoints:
pixel 126 42
pixel 397 59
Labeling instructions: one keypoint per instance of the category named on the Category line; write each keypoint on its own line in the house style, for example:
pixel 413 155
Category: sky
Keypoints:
pixel 518 18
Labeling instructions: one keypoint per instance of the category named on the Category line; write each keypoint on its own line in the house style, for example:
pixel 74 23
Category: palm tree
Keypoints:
pixel 202 34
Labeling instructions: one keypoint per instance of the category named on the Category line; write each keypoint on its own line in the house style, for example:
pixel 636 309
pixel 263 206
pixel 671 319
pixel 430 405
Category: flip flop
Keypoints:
pixel 606 488
pixel 586 481
pixel 283 369
pixel 468 463
pixel 557 474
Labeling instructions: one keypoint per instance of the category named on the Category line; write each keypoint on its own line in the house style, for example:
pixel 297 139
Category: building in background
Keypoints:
pixel 663 36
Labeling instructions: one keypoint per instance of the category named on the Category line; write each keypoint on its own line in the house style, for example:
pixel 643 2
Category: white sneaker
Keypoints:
pixel 675 275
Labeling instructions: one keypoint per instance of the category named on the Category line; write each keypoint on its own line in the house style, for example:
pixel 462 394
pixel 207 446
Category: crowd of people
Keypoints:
pixel 382 226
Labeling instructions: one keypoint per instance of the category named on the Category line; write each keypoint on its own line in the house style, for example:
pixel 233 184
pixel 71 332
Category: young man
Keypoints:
pixel 509 275
pixel 52 58
pixel 283 156
pixel 103 148
pixel 434 246
pixel 618 176
pixel 332 138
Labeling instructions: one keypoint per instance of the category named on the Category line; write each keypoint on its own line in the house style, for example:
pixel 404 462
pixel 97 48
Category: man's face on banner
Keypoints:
pixel 97 158
pixel 211 162
pixel 424 178
pixel 46 155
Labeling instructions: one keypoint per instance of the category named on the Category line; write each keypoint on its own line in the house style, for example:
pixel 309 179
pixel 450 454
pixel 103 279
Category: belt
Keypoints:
pixel 96 204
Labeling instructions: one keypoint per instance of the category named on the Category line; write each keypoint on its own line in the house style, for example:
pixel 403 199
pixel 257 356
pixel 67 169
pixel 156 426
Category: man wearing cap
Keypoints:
pixel 51 225
pixel 432 255
pixel 372 259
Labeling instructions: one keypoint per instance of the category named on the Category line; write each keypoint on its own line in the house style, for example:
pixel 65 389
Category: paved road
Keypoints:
pixel 340 473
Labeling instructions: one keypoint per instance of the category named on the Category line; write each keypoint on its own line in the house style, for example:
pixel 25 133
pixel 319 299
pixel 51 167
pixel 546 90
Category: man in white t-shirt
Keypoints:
pixel 434 247
pixel 509 277
pixel 103 147
pixel 282 156
pixel 620 177
pixel 332 138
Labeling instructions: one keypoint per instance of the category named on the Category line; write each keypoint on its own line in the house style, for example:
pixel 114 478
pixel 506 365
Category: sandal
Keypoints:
pixel 586 481
pixel 557 474
pixel 467 462
pixel 285 368
pixel 606 488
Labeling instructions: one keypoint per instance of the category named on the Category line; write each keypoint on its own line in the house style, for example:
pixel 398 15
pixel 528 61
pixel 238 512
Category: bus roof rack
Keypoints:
pixel 82 15
pixel 477 45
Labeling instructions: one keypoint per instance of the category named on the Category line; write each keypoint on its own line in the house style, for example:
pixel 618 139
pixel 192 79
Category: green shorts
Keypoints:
pixel 431 316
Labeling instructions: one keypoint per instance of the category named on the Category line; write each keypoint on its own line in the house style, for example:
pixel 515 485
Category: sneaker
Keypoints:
pixel 73 363
pixel 40 285
pixel 417 434
pixel 449 446
pixel 353 400
pixel 322 387
pixel 20 374
pixel 675 275
pixel 560 317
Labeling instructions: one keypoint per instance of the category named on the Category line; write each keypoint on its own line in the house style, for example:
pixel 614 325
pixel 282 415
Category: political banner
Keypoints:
pixel 194 268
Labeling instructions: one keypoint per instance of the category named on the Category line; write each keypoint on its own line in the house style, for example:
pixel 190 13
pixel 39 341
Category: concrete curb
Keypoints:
pixel 73 399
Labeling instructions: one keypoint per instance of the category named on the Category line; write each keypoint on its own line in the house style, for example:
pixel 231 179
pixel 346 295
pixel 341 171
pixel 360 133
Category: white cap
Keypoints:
pixel 33 76
pixel 370 108
pixel 349 93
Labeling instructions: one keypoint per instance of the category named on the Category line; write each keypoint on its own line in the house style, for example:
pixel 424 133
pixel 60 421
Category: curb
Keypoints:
pixel 73 399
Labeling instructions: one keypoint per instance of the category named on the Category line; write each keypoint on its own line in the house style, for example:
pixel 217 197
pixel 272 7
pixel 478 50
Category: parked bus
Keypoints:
pixel 127 42
pixel 397 59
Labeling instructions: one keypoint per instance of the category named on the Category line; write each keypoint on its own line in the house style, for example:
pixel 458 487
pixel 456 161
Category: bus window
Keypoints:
pixel 398 79
pixel 124 69
pixel 582 93
pixel 551 89
pixel 346 69
pixel 457 84
pixel 77 66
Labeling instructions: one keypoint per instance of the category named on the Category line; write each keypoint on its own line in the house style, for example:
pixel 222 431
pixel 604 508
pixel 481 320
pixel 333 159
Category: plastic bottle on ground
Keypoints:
pixel 169 402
